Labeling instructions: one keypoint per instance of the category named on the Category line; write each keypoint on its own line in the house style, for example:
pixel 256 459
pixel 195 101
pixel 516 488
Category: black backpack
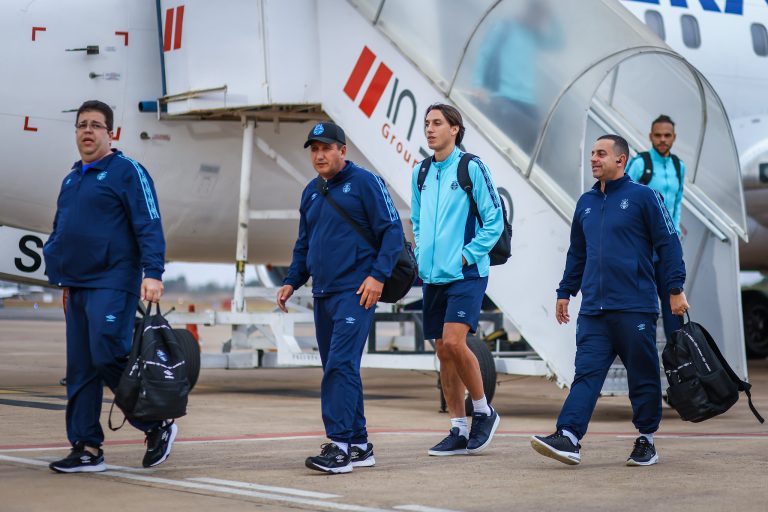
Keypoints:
pixel 503 248
pixel 701 383
pixel 154 385
pixel 647 175
pixel 405 271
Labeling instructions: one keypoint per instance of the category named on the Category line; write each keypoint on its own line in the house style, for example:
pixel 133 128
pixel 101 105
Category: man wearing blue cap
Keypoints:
pixel 348 277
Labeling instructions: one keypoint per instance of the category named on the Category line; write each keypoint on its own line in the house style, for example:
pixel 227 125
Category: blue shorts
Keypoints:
pixel 458 302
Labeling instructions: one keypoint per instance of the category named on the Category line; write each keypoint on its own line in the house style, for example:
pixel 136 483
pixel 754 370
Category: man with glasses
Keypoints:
pixel 107 249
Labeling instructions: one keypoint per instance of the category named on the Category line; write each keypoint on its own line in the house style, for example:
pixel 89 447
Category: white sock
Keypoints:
pixel 481 406
pixel 342 446
pixel 363 446
pixel 649 437
pixel 461 424
pixel 571 436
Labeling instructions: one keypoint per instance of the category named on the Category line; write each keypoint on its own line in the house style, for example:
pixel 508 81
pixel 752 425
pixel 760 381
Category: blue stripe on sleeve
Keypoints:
pixel 665 214
pixel 393 215
pixel 148 197
pixel 488 183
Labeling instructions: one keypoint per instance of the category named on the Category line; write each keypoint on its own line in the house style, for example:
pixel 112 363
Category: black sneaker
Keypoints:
pixel 332 459
pixel 362 458
pixel 643 454
pixel 159 442
pixel 557 446
pixel 80 460
pixel 454 444
pixel 482 430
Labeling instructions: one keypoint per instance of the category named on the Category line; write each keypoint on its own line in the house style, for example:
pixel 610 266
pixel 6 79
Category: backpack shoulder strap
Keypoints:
pixel 743 386
pixel 648 168
pixel 423 171
pixel 322 188
pixel 676 163
pixel 465 182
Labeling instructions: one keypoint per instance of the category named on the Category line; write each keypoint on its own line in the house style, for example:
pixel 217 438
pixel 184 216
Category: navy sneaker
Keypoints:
pixel 80 460
pixel 643 454
pixel 483 428
pixel 454 444
pixel 362 458
pixel 557 446
pixel 332 459
pixel 159 442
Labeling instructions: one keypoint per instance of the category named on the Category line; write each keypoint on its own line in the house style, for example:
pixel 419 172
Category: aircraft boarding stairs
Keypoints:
pixel 374 67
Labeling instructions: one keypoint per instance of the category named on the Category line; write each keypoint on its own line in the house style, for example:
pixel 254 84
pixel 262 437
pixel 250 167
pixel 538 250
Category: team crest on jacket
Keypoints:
pixel 101 175
pixel 624 204
pixel 454 185
pixel 587 210
pixel 347 188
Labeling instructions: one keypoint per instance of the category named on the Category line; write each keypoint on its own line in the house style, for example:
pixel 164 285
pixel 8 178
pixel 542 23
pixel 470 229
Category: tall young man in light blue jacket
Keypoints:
pixel 452 247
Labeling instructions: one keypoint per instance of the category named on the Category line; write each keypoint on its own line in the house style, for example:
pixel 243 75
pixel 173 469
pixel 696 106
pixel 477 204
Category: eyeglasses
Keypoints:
pixel 84 125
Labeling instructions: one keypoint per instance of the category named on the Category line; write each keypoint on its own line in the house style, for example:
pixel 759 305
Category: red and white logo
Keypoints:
pixel 375 87
pixel 172 33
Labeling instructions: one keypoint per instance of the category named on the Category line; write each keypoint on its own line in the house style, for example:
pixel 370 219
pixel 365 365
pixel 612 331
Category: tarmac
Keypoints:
pixel 243 443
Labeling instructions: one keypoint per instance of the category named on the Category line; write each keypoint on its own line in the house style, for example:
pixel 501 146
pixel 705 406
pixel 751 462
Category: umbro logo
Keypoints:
pixel 641 327
pixel 461 314
pixel 101 175
pixel 110 318
pixel 350 320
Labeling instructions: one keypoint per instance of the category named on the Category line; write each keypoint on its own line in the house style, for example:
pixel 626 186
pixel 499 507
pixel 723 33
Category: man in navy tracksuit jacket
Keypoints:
pixel 616 228
pixel 106 233
pixel 347 279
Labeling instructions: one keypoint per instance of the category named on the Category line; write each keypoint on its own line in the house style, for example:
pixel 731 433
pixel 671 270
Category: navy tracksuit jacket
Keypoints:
pixel 339 260
pixel 610 260
pixel 106 234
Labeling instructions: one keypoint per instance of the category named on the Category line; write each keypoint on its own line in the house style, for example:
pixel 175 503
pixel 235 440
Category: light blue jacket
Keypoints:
pixel 444 227
pixel 664 181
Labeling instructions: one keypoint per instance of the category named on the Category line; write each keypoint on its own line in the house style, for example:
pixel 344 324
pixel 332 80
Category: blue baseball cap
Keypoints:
pixel 329 133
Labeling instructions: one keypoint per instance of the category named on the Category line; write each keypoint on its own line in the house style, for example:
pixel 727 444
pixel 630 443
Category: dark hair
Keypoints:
pixel 620 146
pixel 452 115
pixel 98 106
pixel 663 118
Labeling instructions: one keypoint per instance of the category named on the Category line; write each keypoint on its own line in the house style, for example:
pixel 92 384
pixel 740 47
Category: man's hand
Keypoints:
pixel 561 311
pixel 463 261
pixel 151 289
pixel 369 292
pixel 678 304
pixel 283 294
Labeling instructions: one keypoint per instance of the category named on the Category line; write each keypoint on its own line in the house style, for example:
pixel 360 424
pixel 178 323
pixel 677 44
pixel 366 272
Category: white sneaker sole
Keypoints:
pixel 572 459
pixel 332 471
pixel 436 453
pixel 174 431
pixel 96 468
pixel 654 460
pixel 367 463
pixel 487 441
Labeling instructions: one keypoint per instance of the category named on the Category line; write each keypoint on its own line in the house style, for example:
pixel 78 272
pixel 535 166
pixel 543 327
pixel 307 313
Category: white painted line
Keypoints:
pixel 24 461
pixel 421 508
pixel 268 488
pixel 316 504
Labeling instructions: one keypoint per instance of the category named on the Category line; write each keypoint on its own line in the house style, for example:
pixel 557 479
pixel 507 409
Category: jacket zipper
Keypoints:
pixel 434 224
pixel 600 248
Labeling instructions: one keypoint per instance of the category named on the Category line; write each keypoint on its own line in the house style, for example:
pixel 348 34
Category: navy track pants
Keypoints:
pixel 342 326
pixel 99 335
pixel 599 338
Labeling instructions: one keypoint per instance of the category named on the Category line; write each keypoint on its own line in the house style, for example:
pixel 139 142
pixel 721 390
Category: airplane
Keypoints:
pixel 194 140
pixel 728 42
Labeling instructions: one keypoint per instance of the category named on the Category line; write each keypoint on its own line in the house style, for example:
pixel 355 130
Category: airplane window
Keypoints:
pixel 759 39
pixel 656 23
pixel 691 34
pixel 764 173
